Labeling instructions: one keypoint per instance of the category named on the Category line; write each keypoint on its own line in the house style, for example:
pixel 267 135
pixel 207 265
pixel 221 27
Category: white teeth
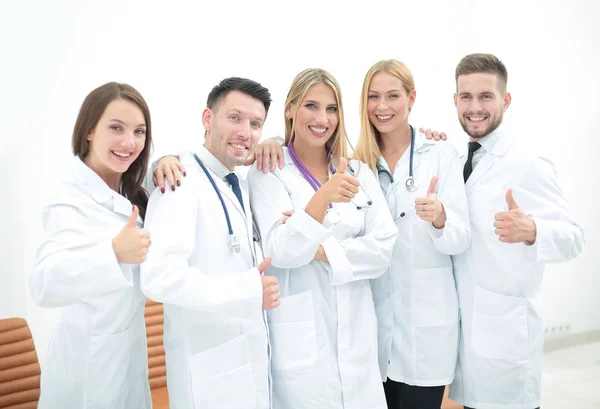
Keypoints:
pixel 476 118
pixel 318 130
pixel 384 117
pixel 122 155
pixel 238 146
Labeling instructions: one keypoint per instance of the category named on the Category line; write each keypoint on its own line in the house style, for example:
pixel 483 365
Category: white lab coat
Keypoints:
pixel 97 358
pixel 215 335
pixel 499 284
pixel 324 333
pixel 416 300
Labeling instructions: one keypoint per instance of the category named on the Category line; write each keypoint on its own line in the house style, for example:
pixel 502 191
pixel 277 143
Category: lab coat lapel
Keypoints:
pixel 125 207
pixel 93 184
pixel 488 160
pixel 482 167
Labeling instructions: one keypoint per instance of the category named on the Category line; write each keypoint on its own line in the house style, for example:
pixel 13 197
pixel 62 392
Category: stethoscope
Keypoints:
pixel 410 183
pixel 234 243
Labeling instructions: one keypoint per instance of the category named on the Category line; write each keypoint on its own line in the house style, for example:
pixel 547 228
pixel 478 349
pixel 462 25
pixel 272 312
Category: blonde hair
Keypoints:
pixel 338 144
pixel 368 148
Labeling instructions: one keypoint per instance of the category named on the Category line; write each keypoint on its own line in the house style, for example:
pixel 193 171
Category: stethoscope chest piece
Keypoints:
pixel 234 243
pixel 411 184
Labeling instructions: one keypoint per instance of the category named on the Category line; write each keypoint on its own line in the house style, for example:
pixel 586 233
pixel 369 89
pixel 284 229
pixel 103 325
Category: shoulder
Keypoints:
pixel 70 204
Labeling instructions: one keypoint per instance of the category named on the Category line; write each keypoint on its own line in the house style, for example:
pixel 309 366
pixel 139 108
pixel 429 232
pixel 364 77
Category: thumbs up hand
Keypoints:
pixel 513 226
pixel 340 187
pixel 429 208
pixel 131 244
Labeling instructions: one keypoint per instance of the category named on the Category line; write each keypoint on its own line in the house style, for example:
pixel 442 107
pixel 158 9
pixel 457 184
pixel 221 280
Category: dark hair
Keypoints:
pixel 248 87
pixel 91 110
pixel 482 63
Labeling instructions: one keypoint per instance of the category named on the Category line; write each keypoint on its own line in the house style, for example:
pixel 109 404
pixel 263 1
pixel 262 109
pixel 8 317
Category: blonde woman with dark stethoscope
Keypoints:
pixel 339 237
pixel 416 299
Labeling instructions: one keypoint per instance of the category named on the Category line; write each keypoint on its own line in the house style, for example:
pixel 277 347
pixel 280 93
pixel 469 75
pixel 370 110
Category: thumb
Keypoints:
pixel 511 202
pixel 132 222
pixel 264 265
pixel 432 185
pixel 343 165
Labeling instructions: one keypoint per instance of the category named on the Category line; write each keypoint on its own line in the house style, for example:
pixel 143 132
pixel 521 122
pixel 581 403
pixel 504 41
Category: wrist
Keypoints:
pixel 532 232
pixel 440 222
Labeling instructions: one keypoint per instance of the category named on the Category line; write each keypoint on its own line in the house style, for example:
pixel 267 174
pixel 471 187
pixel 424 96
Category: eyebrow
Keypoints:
pixel 237 111
pixel 392 90
pixel 121 122
pixel 310 101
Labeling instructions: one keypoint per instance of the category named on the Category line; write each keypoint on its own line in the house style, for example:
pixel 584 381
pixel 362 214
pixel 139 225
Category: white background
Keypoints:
pixel 53 53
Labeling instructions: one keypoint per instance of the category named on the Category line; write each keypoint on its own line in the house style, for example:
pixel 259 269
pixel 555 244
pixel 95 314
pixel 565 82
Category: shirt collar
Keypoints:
pixel 91 182
pixel 212 163
pixel 488 142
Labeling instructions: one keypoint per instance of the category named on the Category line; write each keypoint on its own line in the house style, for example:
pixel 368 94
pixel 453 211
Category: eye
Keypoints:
pixel 373 96
pixel 115 127
pixel 310 105
pixel 234 117
pixel 393 96
pixel 255 124
pixel 332 109
pixel 487 97
pixel 465 97
pixel 140 131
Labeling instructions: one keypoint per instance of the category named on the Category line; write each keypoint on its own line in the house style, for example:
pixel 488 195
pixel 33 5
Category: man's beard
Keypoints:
pixel 493 126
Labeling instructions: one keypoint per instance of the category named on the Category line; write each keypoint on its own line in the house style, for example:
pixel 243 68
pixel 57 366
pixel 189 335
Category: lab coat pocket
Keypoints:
pixel 222 377
pixel 108 368
pixel 434 298
pixel 499 328
pixel 292 333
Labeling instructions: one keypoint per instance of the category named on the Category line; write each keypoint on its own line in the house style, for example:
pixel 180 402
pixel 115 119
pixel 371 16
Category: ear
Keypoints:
pixel 90 135
pixel 288 112
pixel 455 100
pixel 412 97
pixel 506 102
pixel 207 117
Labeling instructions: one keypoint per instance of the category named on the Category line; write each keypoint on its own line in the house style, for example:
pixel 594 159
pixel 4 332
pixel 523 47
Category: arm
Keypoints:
pixel 72 265
pixel 369 255
pixel 558 237
pixel 167 276
pixel 455 236
pixel 294 243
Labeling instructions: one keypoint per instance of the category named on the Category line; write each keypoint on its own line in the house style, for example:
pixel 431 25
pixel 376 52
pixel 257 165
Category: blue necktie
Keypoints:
pixel 235 186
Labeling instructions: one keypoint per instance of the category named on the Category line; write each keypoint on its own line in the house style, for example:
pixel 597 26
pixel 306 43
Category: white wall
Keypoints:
pixel 54 52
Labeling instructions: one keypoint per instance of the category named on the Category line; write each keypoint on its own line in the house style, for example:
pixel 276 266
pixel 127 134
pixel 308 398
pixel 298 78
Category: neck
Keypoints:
pixel 111 178
pixel 313 157
pixel 208 148
pixel 397 140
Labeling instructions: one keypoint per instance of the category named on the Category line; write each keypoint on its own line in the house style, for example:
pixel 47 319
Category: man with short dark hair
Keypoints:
pixel 202 263
pixel 519 222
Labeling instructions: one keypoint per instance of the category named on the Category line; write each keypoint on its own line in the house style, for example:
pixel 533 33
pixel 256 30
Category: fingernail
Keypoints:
pixel 162 190
pixel 178 183
pixel 173 188
pixel 184 173
pixel 155 184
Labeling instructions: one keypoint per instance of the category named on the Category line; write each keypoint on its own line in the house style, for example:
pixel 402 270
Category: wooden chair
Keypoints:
pixel 19 366
pixel 157 375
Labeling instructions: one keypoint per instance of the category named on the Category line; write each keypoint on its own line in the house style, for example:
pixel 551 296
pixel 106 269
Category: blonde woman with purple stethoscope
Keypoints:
pixel 338 238
pixel 416 299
